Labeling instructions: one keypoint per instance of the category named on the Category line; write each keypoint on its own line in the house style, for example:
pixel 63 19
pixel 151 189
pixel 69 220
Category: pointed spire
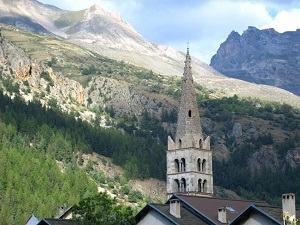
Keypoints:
pixel 187 67
pixel 188 131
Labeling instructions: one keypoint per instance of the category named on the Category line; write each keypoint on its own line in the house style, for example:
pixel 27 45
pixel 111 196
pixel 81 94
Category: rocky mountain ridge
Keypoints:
pixel 101 92
pixel 103 32
pixel 35 81
pixel 108 35
pixel 262 57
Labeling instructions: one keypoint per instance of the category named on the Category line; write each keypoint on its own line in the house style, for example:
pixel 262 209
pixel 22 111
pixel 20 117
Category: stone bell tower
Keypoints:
pixel 189 158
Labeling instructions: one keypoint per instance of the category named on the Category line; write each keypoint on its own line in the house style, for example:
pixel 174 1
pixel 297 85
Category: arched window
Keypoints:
pixel 204 165
pixel 200 185
pixel 190 113
pixel 182 165
pixel 182 186
pixel 205 186
pixel 199 164
pixel 200 143
pixel 180 144
pixel 175 186
pixel 176 164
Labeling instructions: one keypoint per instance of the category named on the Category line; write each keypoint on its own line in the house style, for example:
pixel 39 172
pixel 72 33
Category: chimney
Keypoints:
pixel 289 204
pixel 222 215
pixel 175 208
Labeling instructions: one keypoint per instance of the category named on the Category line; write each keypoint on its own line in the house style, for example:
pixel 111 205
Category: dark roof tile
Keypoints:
pixel 57 222
pixel 209 205
pixel 187 217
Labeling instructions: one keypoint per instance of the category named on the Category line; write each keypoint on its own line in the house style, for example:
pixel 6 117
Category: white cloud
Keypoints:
pixel 206 23
pixel 285 21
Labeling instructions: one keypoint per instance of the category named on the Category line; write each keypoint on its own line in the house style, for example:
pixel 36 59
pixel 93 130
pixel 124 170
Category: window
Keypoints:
pixel 182 165
pixel 176 164
pixel 230 209
pixel 182 185
pixel 175 186
pixel 199 164
pixel 190 113
pixel 204 165
pixel 200 185
pixel 205 186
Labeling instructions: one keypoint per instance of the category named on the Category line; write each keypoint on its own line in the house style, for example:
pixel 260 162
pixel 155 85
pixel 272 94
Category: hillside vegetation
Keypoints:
pixel 33 137
pixel 255 143
pixel 30 179
pixel 262 160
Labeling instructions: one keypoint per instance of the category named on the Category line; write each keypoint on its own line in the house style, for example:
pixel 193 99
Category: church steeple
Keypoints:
pixel 188 131
pixel 189 158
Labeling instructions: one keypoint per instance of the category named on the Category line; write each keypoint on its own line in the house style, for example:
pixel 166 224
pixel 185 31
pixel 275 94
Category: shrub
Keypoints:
pixel 126 189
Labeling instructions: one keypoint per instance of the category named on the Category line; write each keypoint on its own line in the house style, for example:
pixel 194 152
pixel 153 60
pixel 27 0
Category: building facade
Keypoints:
pixel 189 158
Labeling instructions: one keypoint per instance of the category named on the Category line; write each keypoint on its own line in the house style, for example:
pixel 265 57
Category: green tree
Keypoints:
pixel 102 209
pixel 52 61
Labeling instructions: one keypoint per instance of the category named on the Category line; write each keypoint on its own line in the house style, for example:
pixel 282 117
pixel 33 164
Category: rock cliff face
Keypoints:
pixel 262 57
pixel 108 35
pixel 100 31
pixel 20 70
pixel 36 81
pixel 123 97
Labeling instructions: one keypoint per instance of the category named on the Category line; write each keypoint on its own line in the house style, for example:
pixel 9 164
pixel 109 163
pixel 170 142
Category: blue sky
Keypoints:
pixel 205 24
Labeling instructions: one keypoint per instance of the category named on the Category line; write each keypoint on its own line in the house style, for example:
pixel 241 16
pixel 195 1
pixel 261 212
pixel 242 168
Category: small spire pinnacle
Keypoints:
pixel 188 48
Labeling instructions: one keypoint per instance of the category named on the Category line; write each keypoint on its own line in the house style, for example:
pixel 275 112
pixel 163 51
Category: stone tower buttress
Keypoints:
pixel 189 158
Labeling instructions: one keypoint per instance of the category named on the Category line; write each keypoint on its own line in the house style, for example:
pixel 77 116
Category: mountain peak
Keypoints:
pixel 261 56
pixel 96 9
pixel 116 14
pixel 233 35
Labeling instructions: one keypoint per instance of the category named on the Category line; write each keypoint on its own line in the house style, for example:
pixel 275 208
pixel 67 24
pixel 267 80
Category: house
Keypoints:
pixel 184 209
pixel 254 215
pixel 57 222
pixel 64 218
pixel 32 220
pixel 267 214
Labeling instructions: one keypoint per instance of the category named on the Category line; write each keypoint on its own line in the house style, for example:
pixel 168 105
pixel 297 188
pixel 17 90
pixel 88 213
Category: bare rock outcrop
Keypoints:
pixel 266 157
pixel 18 66
pixel 237 130
pixel 293 157
pixel 122 97
pixel 262 57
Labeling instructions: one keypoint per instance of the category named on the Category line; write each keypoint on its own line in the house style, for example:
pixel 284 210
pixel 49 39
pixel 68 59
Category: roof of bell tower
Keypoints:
pixel 188 122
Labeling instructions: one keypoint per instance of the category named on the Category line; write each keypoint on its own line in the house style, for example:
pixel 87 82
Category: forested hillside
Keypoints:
pixel 255 143
pixel 33 137
pixel 30 180
pixel 262 158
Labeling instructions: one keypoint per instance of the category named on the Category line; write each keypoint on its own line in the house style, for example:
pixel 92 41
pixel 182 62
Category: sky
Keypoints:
pixel 205 24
